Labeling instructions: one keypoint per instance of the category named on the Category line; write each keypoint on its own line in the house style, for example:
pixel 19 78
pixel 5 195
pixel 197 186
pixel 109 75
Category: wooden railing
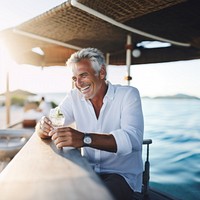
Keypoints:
pixel 40 171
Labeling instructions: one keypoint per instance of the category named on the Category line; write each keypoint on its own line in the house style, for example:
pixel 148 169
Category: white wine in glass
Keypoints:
pixel 57 118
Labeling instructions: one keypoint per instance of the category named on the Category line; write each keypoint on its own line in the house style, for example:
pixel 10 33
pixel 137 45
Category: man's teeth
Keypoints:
pixel 85 88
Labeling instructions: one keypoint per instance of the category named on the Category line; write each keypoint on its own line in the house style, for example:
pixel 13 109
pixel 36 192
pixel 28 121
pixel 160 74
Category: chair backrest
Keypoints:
pixel 146 173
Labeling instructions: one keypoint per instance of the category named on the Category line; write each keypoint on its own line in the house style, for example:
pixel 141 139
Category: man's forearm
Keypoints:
pixel 104 142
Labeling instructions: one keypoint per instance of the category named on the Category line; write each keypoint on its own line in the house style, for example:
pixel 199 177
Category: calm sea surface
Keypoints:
pixel 174 127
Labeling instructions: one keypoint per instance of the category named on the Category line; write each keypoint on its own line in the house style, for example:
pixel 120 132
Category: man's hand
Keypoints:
pixel 67 137
pixel 43 127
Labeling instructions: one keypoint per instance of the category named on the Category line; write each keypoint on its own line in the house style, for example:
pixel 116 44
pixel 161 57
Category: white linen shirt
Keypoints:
pixel 121 115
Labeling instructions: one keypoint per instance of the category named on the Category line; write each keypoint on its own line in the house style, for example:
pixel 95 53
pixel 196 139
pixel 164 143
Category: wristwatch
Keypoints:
pixel 87 140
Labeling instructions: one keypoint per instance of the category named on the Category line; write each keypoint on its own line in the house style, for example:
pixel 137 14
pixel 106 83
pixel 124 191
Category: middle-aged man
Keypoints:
pixel 109 124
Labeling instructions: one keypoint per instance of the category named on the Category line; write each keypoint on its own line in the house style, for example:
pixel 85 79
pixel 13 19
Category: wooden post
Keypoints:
pixel 128 58
pixel 107 58
pixel 7 100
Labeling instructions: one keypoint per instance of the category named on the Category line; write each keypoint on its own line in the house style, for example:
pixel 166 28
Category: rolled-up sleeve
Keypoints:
pixel 130 136
pixel 123 142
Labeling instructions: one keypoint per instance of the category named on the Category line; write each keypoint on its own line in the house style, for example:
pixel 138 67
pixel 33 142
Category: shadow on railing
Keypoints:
pixel 43 172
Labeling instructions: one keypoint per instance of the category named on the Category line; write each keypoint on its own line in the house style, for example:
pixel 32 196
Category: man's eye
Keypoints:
pixel 83 75
pixel 74 79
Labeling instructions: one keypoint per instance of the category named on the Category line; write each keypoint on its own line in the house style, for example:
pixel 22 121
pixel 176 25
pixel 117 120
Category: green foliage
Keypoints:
pixel 16 100
pixel 53 104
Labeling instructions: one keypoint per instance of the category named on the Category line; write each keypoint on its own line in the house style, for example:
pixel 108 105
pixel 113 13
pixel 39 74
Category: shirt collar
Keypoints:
pixel 110 92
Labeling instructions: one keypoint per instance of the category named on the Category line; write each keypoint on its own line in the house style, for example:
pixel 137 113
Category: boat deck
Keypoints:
pixel 12 139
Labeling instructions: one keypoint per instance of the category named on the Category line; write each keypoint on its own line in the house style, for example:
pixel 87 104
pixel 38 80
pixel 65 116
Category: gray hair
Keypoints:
pixel 94 55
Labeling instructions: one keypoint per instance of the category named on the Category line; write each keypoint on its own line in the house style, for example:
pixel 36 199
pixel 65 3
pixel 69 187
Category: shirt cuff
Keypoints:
pixel 123 142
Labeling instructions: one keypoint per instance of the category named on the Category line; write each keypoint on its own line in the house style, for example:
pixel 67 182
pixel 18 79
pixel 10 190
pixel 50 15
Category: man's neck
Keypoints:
pixel 97 101
pixel 100 95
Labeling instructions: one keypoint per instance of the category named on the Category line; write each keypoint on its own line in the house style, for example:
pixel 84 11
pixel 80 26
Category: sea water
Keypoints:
pixel 174 127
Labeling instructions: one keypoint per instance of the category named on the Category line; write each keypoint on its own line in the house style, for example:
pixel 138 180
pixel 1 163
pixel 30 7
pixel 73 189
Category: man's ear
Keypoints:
pixel 102 73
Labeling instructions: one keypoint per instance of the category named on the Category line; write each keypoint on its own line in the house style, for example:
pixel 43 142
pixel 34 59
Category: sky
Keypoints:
pixel 151 79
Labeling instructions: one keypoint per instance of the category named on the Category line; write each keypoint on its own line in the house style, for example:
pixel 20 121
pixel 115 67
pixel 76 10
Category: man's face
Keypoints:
pixel 86 79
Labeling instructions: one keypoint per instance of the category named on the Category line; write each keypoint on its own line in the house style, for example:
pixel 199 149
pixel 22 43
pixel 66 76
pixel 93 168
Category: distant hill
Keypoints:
pixel 176 96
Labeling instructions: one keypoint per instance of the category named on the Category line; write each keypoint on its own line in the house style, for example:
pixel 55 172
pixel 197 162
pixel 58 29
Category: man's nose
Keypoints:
pixel 79 81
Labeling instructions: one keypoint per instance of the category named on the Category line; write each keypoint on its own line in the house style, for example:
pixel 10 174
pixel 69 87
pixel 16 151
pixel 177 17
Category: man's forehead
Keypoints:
pixel 82 68
pixel 84 62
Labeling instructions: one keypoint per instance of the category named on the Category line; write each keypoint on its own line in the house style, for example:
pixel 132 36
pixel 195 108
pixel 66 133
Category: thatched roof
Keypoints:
pixel 177 21
pixel 20 93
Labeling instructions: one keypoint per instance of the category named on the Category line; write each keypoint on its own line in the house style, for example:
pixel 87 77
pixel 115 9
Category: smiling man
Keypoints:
pixel 109 125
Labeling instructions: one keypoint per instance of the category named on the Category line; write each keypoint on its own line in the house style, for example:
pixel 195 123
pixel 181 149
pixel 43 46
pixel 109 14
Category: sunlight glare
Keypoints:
pixel 38 50
pixel 6 65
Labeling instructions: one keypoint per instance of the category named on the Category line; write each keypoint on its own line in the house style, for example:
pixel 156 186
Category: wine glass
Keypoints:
pixel 57 118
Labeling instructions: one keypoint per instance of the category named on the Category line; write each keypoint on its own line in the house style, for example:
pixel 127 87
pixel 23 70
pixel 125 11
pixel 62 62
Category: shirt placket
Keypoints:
pixel 99 130
pixel 98 152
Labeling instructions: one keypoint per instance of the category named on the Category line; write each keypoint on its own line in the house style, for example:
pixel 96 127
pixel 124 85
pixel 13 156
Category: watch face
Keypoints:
pixel 87 140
